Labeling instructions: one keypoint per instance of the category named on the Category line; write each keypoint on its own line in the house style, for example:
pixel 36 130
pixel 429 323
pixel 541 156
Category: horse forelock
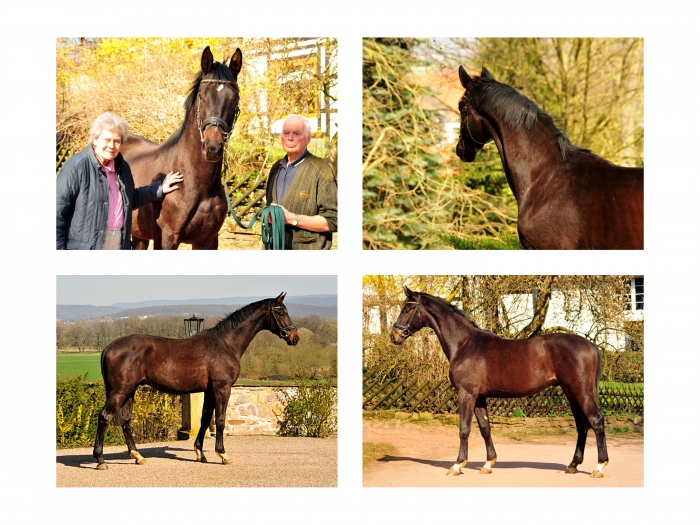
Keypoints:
pixel 219 71
pixel 514 109
pixel 235 318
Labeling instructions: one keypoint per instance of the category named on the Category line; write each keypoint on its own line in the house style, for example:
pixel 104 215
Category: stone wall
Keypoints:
pixel 254 409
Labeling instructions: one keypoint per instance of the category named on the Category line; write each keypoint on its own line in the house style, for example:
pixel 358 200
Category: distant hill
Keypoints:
pixel 324 306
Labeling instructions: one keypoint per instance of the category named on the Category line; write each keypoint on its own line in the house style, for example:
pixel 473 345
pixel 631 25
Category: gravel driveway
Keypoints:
pixel 259 461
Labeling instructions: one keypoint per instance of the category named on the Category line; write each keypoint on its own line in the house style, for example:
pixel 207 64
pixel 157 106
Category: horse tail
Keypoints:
pixel 117 418
pixel 598 374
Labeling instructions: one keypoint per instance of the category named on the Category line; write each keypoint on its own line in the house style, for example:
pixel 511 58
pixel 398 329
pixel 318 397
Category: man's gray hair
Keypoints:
pixel 307 122
pixel 111 122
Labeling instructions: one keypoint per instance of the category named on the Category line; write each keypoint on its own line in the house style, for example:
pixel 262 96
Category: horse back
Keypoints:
pixel 174 366
pixel 497 367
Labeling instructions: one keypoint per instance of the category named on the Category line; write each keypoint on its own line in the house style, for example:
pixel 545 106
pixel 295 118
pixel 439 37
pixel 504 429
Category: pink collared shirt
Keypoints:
pixel 115 219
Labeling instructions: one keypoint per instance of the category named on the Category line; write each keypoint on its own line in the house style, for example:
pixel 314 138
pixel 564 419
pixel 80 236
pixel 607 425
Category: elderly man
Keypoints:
pixel 305 186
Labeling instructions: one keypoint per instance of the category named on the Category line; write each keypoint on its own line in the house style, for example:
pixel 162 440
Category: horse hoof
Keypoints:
pixel 202 459
pixel 453 472
pixel 102 466
pixel 227 461
pixel 141 461
pixel 596 474
pixel 485 471
pixel 571 470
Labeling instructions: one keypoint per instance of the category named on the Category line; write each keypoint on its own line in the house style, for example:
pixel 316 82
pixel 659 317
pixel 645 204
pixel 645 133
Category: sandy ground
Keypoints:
pixel 259 461
pixel 420 456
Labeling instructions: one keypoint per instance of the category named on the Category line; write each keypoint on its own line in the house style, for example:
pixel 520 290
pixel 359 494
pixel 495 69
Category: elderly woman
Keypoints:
pixel 95 192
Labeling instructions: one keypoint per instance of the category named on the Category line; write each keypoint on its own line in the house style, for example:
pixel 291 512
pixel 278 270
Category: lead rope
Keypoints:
pixel 271 224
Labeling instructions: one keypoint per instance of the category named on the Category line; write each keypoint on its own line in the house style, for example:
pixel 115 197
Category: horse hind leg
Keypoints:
pixel 139 244
pixel 597 423
pixel 105 417
pixel 126 414
pixel 582 430
pixel 482 417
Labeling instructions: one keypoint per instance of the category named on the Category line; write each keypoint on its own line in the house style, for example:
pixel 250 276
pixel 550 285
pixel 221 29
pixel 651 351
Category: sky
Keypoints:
pixel 105 290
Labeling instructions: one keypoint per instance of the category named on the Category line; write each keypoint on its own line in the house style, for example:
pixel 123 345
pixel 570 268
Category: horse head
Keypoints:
pixel 217 103
pixel 409 320
pixel 472 133
pixel 281 324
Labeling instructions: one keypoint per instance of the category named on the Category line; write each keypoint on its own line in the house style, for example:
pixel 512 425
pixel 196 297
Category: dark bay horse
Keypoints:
pixel 206 362
pixel 568 198
pixel 193 214
pixel 484 365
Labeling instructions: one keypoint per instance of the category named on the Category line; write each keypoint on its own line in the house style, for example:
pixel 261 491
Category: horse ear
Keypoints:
pixel 281 297
pixel 408 291
pixel 464 77
pixel 236 62
pixel 207 60
pixel 485 73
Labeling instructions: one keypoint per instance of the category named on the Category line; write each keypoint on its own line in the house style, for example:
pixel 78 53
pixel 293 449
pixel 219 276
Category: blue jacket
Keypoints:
pixel 82 201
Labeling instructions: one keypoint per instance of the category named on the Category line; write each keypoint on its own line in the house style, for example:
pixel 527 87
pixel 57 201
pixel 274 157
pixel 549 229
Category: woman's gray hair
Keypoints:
pixel 307 122
pixel 108 121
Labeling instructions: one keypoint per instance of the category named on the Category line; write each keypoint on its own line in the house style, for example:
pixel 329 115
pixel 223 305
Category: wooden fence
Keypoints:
pixel 439 397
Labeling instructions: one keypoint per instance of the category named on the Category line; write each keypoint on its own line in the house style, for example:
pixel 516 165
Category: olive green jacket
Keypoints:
pixel 313 191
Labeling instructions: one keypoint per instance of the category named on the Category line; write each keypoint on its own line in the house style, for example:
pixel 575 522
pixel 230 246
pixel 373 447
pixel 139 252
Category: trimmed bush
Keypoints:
pixel 311 412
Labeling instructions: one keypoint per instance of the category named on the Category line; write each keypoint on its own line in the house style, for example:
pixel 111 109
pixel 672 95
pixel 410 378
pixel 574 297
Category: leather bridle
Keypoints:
pixel 284 330
pixel 215 121
pixel 406 330
pixel 466 125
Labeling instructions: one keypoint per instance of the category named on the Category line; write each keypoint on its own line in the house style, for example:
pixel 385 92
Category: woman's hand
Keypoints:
pixel 170 180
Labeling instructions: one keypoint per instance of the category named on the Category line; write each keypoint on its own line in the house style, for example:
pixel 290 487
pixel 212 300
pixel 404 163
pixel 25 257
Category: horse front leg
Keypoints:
pixel 466 410
pixel 222 395
pixel 482 417
pixel 207 411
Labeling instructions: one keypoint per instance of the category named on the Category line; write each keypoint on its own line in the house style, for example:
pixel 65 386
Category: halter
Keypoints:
pixel 406 328
pixel 283 330
pixel 215 121
pixel 466 125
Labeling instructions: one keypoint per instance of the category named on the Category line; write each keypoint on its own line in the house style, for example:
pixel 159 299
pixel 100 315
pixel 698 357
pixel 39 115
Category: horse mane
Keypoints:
pixel 456 310
pixel 219 71
pixel 232 320
pixel 516 110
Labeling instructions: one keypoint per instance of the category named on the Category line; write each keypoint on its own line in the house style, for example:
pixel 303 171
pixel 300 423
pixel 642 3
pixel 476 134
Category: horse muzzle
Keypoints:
pixel 212 149
pixel 464 154
pixel 397 336
pixel 291 336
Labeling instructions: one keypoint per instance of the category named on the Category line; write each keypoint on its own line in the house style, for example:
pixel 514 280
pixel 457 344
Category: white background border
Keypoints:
pixel 30 262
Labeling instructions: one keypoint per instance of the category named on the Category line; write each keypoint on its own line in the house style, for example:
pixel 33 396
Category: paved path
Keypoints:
pixel 421 457
pixel 259 461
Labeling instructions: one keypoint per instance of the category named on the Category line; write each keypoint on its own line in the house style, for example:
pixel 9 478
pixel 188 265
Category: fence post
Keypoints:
pixel 191 415
pixel 192 404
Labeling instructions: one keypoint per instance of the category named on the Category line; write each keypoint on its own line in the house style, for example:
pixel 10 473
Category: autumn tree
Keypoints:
pixel 514 307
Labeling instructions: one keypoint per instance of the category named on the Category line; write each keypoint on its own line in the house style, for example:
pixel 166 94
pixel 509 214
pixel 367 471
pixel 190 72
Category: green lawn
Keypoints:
pixel 71 365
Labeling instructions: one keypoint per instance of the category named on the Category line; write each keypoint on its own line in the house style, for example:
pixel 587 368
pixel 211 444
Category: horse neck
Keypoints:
pixel 450 328
pixel 524 170
pixel 240 337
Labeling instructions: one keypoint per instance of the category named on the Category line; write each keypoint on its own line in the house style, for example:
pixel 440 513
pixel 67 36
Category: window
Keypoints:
pixel 635 301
